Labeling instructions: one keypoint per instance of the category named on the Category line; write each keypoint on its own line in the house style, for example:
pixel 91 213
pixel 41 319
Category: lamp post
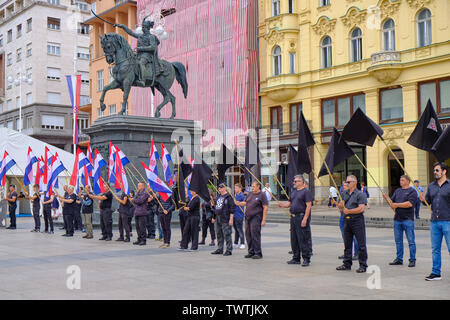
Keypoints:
pixel 18 81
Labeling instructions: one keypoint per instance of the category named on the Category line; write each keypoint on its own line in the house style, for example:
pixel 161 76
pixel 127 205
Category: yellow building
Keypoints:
pixel 114 11
pixel 329 57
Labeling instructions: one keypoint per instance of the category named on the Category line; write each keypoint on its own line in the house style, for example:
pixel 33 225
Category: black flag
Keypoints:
pixel 441 148
pixel 185 166
pixel 338 151
pixel 361 129
pixel 226 160
pixel 201 174
pixel 179 188
pixel 427 130
pixel 292 170
pixel 305 140
pixel 252 157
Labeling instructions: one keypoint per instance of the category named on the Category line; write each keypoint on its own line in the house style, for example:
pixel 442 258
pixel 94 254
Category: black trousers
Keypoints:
pixel 150 223
pixel 37 219
pixel 190 232
pixel 48 220
pixel 12 216
pixel 224 231
pixel 77 221
pixel 106 222
pixel 68 223
pixel 165 225
pixel 205 225
pixel 141 222
pixel 253 235
pixel 354 225
pixel 130 220
pixel 300 238
pixel 124 224
pixel 182 216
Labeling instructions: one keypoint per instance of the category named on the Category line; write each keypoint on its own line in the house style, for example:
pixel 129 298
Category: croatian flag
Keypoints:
pixel 74 83
pixel 165 161
pixel 90 157
pixel 7 163
pixel 121 176
pixel 111 163
pixel 83 161
pixel 122 156
pixel 98 164
pixel 85 176
pixel 38 179
pixel 156 183
pixel 46 164
pixel 153 158
pixel 31 159
pixel 57 167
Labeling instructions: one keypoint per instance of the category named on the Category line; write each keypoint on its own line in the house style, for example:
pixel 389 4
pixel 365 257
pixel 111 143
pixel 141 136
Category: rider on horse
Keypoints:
pixel 147 52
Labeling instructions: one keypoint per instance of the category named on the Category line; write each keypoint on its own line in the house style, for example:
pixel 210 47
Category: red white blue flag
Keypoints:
pixel 165 161
pixel 156 183
pixel 153 158
pixel 31 159
pixel 74 84
pixel 7 163
pixel 98 164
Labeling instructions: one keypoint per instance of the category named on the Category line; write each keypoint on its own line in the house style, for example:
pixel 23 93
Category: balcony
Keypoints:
pixel 386 66
pixel 284 129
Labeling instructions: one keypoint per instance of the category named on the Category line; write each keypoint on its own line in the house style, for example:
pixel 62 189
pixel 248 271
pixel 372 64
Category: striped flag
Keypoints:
pixel 7 163
pixel 153 158
pixel 98 164
pixel 74 84
pixel 156 183
pixel 165 161
pixel 31 159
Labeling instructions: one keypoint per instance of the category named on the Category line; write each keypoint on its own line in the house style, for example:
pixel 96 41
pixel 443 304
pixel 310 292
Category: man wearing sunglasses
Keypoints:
pixel 353 204
pixel 438 194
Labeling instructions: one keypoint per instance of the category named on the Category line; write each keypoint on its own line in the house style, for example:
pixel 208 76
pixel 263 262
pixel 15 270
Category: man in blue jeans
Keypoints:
pixel 418 189
pixel 438 194
pixel 403 201
pixel 341 226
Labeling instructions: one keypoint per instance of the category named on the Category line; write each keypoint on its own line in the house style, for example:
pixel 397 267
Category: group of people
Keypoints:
pixel 228 210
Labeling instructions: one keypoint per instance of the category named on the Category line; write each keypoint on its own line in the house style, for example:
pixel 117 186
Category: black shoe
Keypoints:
pixel 341 257
pixel 119 239
pixel 361 270
pixel 248 256
pixel 433 277
pixel 344 267
pixel 150 237
pixel 227 253
pixel 293 261
pixel 61 228
pixel 102 238
pixel 136 242
pixel 126 240
pixel 290 252
pixel 84 237
pixel 257 256
pixel 34 230
pixel 217 252
pixel 396 262
pixel 355 257
pixel 64 235
pixel 11 228
pixel 412 264
pixel 142 243
pixel 306 263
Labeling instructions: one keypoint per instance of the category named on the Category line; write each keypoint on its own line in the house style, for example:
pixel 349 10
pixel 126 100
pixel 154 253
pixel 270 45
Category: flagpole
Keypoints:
pixel 329 193
pixel 329 172
pixel 178 172
pixel 404 170
pixel 275 176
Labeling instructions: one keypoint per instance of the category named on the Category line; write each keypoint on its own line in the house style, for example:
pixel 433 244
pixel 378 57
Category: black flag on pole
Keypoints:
pixel 441 148
pixel 305 140
pixel 180 196
pixel 185 167
pixel 361 129
pixel 226 160
pixel 201 174
pixel 292 170
pixel 427 130
pixel 252 157
pixel 338 151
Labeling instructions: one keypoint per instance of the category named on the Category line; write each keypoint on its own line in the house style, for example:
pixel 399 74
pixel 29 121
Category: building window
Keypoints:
pixel 294 114
pixel 112 109
pixel 389 35
pixel 100 80
pixel 83 123
pixel 10 125
pixel 19 31
pixel 326 52
pixel 276 118
pixel 29 49
pixel 9 36
pixel 18 102
pixel 424 28
pixel 52 122
pixel 29 98
pixel 275 7
pixel 9 104
pixel 18 55
pixel 111 76
pixel 391 101
pixel 1 110
pixel 18 127
pixel 356 45
pixel 324 3
pixel 29 73
pixel 53 23
pixel 94 7
pixel 276 61
pixel 1 40
pixel 438 91
pixel 83 53
pixel 292 62
pixel 82 6
pixel 100 113
pixel 54 49
pixel 336 111
pixel 29 122
pixel 84 76
pixel 53 73
pixel 291 6
pixel 54 97
pixel 29 25
pixel 84 100
pixel 83 28
pixel 55 2
pixel 9 59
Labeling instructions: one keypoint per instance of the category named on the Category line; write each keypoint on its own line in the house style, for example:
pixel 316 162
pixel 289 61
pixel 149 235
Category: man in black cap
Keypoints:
pixel 224 210
pixel 11 197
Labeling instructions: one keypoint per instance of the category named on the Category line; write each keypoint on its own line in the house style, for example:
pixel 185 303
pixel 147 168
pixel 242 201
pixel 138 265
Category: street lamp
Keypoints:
pixel 18 81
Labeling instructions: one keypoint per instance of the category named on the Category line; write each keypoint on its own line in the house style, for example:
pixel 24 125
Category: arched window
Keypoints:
pixel 356 45
pixel 276 61
pixel 275 7
pixel 389 35
pixel 326 52
pixel 424 28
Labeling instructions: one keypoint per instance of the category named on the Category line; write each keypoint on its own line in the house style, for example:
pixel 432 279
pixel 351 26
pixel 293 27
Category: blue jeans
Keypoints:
pixel 417 208
pixel 160 231
pixel 341 226
pixel 439 230
pixel 408 227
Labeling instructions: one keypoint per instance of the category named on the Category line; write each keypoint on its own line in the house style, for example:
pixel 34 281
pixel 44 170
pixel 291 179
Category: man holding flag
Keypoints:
pixel 11 197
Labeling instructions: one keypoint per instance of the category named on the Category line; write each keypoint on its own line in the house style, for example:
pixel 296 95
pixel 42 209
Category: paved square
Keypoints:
pixel 33 266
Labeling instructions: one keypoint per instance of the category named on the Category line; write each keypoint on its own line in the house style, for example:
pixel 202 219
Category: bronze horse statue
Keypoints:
pixel 127 73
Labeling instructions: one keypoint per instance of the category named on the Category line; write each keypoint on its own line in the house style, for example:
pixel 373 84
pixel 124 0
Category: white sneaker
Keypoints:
pixel 242 246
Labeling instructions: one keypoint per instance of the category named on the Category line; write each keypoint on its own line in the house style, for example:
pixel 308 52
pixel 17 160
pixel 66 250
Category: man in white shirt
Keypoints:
pixel 334 196
pixel 268 192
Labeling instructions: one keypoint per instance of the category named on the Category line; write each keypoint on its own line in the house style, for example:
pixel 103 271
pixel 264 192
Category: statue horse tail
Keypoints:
pixel 180 74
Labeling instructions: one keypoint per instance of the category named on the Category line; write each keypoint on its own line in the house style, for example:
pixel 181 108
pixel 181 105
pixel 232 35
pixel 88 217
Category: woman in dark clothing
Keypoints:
pixel 190 231
pixel 124 211
pixel 208 214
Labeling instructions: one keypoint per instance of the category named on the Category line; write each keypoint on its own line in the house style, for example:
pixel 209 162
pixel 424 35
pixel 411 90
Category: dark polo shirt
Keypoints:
pixel 353 200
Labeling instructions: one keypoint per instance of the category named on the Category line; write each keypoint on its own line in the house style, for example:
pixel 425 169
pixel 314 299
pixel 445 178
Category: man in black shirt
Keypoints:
pixel 36 201
pixel 124 211
pixel 300 203
pixel 69 207
pixel 105 213
pixel 224 207
pixel 87 209
pixel 353 204
pixel 77 221
pixel 152 209
pixel 11 197
pixel 191 227
pixel 165 215
pixel 403 201
pixel 48 220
